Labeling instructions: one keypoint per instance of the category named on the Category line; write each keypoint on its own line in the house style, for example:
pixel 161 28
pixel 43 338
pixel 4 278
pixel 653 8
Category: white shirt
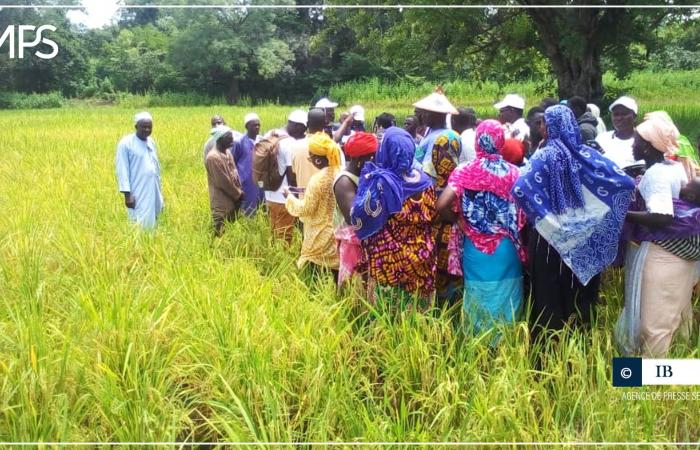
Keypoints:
pixel 519 130
pixel 284 159
pixel 617 150
pixel 468 153
pixel 661 183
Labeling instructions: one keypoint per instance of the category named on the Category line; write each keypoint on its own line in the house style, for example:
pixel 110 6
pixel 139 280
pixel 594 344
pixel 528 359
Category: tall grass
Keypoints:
pixel 108 334
pixel 676 92
pixel 670 87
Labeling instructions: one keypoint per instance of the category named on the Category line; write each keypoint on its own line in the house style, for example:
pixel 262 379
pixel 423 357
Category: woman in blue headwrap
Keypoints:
pixel 575 200
pixel 392 216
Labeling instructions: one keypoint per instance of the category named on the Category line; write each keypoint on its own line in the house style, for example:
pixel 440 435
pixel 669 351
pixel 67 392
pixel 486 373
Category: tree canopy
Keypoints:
pixel 294 54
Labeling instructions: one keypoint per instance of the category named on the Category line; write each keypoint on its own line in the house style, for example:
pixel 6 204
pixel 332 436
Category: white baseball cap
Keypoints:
pixel 325 103
pixel 298 116
pixel 627 102
pixel 248 117
pixel 358 113
pixel 512 100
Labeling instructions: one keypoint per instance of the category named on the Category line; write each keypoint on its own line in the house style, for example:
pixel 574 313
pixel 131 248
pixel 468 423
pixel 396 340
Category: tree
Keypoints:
pixel 575 40
pixel 231 46
pixel 135 59
pixel 67 72
pixel 439 44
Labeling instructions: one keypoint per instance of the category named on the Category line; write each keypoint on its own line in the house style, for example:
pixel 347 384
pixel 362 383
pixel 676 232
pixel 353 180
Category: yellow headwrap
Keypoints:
pixel 658 129
pixel 321 144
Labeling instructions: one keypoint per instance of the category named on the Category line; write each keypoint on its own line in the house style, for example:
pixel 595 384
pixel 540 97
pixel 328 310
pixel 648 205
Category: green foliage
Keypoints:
pixel 167 99
pixel 678 47
pixel 19 100
pixel 295 55
pixel 135 60
pixel 66 72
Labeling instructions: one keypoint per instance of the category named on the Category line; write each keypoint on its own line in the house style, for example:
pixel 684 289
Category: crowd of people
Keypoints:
pixel 449 208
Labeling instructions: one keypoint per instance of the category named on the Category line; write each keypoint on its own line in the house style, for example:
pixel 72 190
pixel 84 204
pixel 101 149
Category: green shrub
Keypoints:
pixel 20 100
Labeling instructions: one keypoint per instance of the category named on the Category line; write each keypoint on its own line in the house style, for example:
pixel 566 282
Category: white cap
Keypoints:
pixel 298 116
pixel 436 102
pixel 142 116
pixel 512 100
pixel 325 103
pixel 358 113
pixel 627 102
pixel 248 117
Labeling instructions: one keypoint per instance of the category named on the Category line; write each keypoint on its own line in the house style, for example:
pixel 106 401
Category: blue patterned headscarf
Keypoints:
pixel 575 197
pixel 385 184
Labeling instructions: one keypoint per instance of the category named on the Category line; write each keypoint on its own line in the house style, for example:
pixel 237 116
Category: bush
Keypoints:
pixel 151 99
pixel 21 100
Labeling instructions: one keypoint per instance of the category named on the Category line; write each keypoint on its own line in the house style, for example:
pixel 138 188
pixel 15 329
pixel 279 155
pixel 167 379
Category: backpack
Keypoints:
pixel 266 172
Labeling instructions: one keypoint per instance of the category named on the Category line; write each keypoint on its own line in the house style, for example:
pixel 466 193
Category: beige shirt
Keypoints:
pixel 301 165
pixel 224 184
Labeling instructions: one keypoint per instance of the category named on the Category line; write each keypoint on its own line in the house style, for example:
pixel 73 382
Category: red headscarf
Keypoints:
pixel 513 151
pixel 361 144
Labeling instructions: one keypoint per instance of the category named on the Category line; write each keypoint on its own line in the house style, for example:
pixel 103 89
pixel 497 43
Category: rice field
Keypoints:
pixel 109 334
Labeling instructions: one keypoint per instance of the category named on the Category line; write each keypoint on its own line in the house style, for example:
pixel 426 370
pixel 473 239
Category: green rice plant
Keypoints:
pixel 110 334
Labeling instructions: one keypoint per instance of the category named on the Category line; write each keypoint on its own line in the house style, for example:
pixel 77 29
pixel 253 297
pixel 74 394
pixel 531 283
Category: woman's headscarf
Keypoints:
pixel 321 144
pixel 484 190
pixel 386 183
pixel 600 125
pixel 576 198
pixel 513 151
pixel 361 144
pixel 658 129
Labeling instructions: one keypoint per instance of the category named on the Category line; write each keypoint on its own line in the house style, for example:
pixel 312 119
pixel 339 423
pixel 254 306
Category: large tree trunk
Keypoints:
pixel 233 92
pixel 578 70
pixel 580 76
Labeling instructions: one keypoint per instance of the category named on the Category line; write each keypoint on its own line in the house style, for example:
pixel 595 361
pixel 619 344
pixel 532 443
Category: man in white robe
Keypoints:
pixel 138 173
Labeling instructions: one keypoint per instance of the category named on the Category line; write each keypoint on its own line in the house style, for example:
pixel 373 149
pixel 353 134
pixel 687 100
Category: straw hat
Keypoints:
pixel 436 102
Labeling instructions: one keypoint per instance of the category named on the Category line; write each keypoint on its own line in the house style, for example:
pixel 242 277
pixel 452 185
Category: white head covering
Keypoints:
pixel 512 100
pixel 593 108
pixel 325 103
pixel 627 102
pixel 298 116
pixel 248 117
pixel 142 116
pixel 358 113
pixel 436 102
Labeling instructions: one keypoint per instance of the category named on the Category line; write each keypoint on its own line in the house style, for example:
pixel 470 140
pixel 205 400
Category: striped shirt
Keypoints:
pixel 688 249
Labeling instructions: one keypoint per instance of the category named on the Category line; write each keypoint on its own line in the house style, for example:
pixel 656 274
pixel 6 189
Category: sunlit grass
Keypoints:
pixel 108 334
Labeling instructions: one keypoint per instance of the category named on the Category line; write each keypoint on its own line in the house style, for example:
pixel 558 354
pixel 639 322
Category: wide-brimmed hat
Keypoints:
pixel 436 102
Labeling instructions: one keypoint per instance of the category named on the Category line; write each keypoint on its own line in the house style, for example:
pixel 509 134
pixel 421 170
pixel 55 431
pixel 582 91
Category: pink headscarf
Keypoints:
pixel 489 141
pixel 489 172
pixel 659 130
